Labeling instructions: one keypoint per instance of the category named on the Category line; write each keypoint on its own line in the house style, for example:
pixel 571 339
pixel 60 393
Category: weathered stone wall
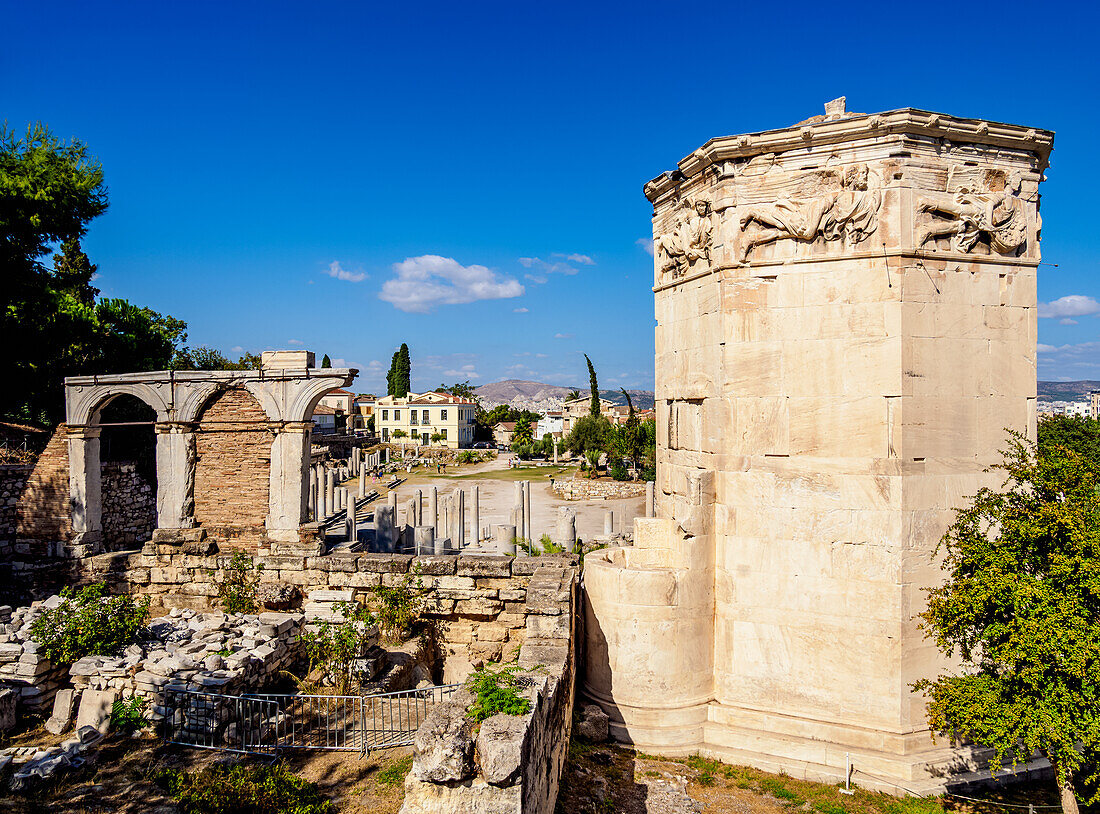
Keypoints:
pixel 480 602
pixel 233 465
pixel 584 489
pixel 42 513
pixel 13 479
pixel 129 505
pixel 513 763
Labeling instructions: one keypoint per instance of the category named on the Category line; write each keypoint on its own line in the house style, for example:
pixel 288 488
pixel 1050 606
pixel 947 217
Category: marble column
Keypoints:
pixel 649 499
pixel 85 483
pixel 330 491
pixel 475 515
pixel 433 508
pixel 504 538
pixel 287 503
pixel 385 532
pixel 528 527
pixel 175 475
pixel 424 540
pixel 608 523
pixel 519 508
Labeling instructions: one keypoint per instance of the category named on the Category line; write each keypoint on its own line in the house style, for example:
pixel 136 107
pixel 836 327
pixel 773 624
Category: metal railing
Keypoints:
pixel 266 723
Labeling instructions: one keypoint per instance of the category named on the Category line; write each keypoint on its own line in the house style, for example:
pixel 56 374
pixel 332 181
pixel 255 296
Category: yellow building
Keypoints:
pixel 420 416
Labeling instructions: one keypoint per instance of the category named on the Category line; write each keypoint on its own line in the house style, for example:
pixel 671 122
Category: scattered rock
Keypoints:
pixel 95 710
pixel 593 724
pixel 500 748
pixel 444 743
pixel 9 699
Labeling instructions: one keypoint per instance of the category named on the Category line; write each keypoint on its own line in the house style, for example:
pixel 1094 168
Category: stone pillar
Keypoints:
pixel 353 522
pixel 608 523
pixel 175 475
pixel 424 540
pixel 433 508
pixel 504 538
pixel 330 491
pixel 475 515
pixel 649 499
pixel 555 452
pixel 385 532
pixel 392 498
pixel 85 485
pixel 445 516
pixel 519 508
pixel 458 538
pixel 410 513
pixel 439 543
pixel 566 533
pixel 362 482
pixel 527 524
pixel 287 491
pixel 418 498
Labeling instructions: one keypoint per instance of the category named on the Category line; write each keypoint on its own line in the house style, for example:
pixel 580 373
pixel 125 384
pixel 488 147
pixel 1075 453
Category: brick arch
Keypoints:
pixel 232 467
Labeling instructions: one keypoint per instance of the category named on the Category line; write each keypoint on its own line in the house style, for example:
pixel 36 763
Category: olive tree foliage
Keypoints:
pixel 1021 609
pixel 52 322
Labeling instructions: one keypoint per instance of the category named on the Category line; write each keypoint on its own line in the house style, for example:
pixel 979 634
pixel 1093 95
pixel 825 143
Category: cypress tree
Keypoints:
pixel 325 361
pixel 594 409
pixel 391 377
pixel 403 377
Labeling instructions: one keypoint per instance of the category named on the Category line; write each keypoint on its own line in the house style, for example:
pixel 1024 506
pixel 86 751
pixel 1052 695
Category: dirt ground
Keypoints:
pixel 121 780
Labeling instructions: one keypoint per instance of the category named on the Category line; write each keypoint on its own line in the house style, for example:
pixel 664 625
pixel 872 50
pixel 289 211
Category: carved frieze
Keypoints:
pixel 978 206
pixel 846 211
pixel 687 244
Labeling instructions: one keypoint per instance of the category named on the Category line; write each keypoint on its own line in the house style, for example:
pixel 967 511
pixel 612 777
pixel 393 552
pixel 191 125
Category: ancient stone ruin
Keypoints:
pixel 846 324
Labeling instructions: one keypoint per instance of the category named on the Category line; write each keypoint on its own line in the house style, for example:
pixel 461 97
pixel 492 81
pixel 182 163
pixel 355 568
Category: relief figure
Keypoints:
pixel 689 241
pixel 850 212
pixel 1000 216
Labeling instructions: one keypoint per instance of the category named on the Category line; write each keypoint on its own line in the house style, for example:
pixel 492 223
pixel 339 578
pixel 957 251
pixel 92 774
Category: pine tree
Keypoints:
pixel 594 409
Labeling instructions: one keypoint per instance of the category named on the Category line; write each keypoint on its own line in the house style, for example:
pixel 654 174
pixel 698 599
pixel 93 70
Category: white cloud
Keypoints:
pixel 646 243
pixel 1080 361
pixel 535 278
pixel 1073 305
pixel 519 310
pixel 295 342
pixel 236 349
pixel 425 282
pixel 559 263
pixel 1067 321
pixel 464 372
pixel 563 336
pixel 337 271
pixel 1046 348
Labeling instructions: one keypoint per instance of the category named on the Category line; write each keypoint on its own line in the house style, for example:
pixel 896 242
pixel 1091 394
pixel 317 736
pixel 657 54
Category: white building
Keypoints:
pixel 550 424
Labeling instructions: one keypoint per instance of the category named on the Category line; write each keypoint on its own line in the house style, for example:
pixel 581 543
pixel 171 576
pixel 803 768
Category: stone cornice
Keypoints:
pixel 855 128
pixel 216 376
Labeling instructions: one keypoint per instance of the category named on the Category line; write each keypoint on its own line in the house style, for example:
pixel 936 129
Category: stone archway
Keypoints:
pixel 233 437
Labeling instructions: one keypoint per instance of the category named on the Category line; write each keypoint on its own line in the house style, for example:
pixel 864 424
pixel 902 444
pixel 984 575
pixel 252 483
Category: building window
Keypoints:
pixel 443 432
pixel 396 415
pixel 412 416
pixel 442 415
pixel 385 415
pixel 425 418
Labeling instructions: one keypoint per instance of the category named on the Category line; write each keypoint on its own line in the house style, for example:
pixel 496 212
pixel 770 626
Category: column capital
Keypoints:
pixel 290 426
pixel 84 432
pixel 164 427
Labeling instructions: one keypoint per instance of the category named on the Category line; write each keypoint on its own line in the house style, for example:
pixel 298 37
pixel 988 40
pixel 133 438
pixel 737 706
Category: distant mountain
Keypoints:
pixel 1066 391
pixel 541 397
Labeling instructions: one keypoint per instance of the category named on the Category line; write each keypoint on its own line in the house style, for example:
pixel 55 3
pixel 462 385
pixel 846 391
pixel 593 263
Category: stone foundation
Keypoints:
pixel 578 488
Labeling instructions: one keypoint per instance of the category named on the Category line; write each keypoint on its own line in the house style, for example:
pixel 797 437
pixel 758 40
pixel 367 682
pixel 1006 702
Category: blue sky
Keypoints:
pixel 467 177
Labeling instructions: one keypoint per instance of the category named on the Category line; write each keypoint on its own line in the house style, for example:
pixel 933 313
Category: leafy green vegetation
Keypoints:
pixel 1021 610
pixel 334 646
pixel 394 774
pixel 88 622
pixel 496 691
pixel 128 715
pixel 399 608
pixel 1077 433
pixel 50 190
pixel 241 789
pixel 237 585
pixel 399 377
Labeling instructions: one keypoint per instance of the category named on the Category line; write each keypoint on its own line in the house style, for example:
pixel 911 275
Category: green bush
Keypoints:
pixel 244 790
pixel 496 692
pixel 616 470
pixel 88 622
pixel 126 716
pixel 398 609
pixel 335 646
pixel 237 586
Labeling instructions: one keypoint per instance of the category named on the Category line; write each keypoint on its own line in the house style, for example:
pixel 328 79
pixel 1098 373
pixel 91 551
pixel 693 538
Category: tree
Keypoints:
pixel 1021 607
pixel 1078 433
pixel 325 361
pixel 594 407
pixel 49 192
pixel 589 432
pixel 462 390
pixel 573 395
pixel 204 358
pixel 523 434
pixel 399 434
pixel 436 437
pixel 626 439
pixel 370 425
pixel 399 377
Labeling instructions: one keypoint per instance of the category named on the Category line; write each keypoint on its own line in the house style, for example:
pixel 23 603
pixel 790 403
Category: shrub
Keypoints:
pixel 616 470
pixel 495 691
pixel 88 622
pixel 335 646
pixel 592 456
pixel 549 546
pixel 244 789
pixel 129 715
pixel 237 586
pixel 649 473
pixel 398 609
